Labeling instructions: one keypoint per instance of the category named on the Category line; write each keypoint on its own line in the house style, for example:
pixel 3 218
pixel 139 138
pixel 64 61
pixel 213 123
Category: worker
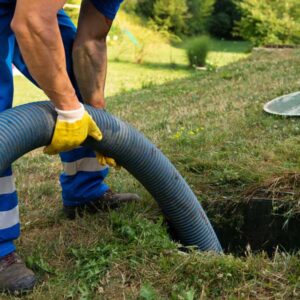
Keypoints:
pixel 69 65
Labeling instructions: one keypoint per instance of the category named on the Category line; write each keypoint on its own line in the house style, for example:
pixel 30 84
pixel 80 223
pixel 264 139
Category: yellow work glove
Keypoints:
pixel 71 130
pixel 106 161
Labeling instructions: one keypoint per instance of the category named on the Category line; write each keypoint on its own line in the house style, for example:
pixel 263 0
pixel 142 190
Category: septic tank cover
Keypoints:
pixel 287 105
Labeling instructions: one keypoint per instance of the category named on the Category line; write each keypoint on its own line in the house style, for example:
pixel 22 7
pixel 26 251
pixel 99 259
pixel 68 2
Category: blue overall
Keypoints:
pixel 82 178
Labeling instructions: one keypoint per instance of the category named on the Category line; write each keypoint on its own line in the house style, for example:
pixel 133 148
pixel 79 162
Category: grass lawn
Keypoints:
pixel 125 75
pixel 212 127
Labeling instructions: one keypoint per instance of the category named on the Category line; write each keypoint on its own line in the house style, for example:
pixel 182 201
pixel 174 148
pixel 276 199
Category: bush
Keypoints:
pixel 273 22
pixel 197 50
pixel 223 18
pixel 171 15
pixel 220 25
pixel 199 12
pixel 143 8
pixel 182 17
pixel 176 16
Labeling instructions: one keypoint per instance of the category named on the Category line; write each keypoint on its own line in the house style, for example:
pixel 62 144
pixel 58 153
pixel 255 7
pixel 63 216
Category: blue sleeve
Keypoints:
pixel 108 8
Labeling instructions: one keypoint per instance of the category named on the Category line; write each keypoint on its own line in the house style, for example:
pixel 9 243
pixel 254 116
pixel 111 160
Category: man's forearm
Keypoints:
pixel 90 67
pixel 42 48
pixel 90 54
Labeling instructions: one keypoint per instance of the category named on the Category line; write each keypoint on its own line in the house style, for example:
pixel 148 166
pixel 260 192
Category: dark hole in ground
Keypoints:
pixel 259 224
pixel 264 217
pixel 256 224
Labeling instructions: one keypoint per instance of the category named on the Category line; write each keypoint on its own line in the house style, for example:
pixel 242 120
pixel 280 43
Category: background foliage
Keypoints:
pixel 263 22
pixel 199 14
pixel 171 15
pixel 179 16
pixel 224 16
pixel 273 22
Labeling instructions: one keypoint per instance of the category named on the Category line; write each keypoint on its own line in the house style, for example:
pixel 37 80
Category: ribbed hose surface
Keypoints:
pixel 30 126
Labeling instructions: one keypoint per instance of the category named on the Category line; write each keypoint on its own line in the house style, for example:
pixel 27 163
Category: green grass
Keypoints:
pixel 160 61
pixel 226 52
pixel 212 127
pixel 124 75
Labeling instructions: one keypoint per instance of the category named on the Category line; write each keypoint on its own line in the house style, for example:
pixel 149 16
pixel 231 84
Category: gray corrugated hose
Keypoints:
pixel 30 126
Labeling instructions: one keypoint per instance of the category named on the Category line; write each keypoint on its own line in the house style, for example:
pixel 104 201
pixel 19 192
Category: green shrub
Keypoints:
pixel 142 8
pixel 199 12
pixel 223 18
pixel 197 50
pixel 171 15
pixel 130 6
pixel 181 17
pixel 272 22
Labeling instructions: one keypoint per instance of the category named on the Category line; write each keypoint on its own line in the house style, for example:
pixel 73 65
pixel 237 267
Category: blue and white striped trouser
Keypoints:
pixel 82 179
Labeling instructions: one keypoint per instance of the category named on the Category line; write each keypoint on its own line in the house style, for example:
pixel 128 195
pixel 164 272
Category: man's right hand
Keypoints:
pixel 71 130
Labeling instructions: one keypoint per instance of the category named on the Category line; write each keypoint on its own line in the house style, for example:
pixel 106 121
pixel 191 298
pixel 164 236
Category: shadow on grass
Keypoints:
pixel 154 66
pixel 193 73
pixel 222 46
pixel 230 46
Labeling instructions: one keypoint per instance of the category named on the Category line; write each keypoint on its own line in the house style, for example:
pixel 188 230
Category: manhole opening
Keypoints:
pixel 264 217
pixel 256 224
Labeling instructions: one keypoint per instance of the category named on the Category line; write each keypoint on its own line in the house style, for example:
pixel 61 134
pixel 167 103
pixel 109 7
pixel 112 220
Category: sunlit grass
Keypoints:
pixel 162 64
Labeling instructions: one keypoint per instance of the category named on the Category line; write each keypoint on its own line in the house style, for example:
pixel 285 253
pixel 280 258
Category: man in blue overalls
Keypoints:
pixel 40 39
